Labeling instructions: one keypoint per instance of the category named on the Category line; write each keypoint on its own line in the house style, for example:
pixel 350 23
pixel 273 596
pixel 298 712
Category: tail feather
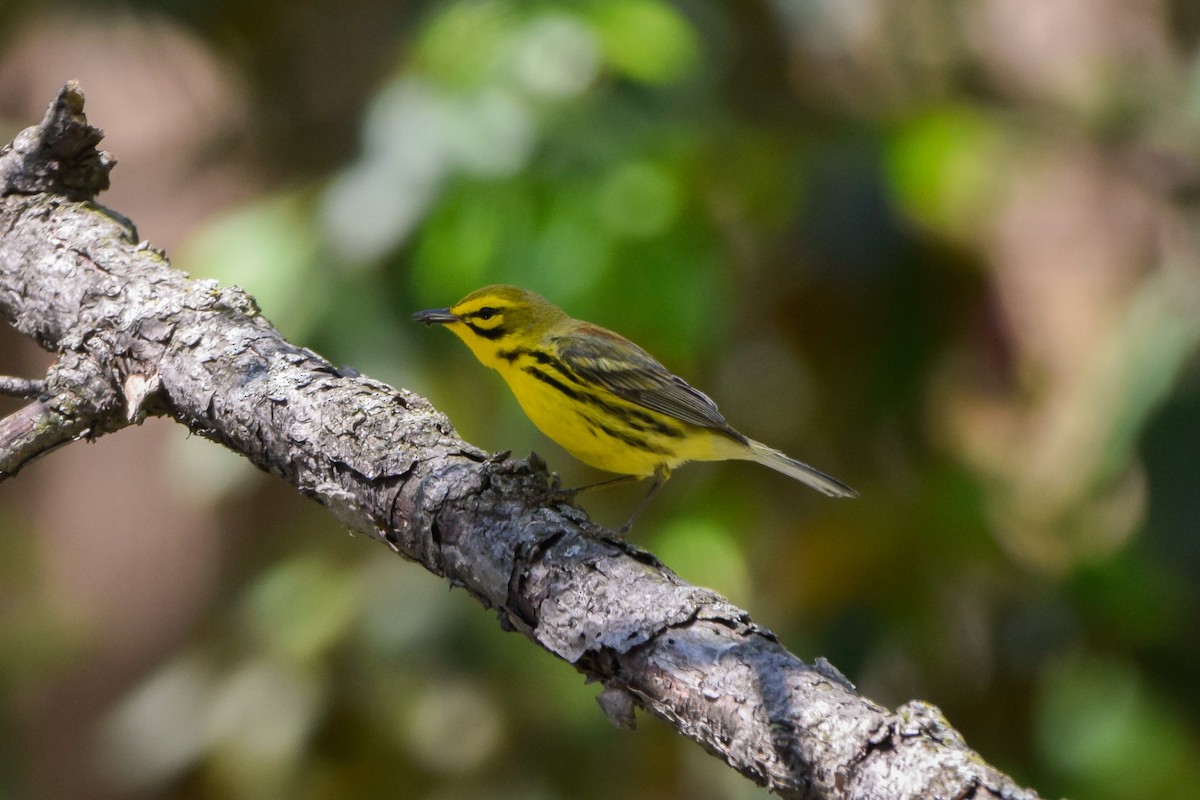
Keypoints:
pixel 770 457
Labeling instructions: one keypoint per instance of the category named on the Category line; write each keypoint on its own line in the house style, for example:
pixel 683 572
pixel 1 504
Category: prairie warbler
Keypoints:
pixel 607 401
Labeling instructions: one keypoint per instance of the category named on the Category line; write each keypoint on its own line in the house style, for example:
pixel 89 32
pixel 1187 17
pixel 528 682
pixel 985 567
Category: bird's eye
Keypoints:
pixel 487 312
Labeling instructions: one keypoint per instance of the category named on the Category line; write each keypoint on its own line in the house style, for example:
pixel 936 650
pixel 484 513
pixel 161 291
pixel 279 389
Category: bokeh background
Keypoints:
pixel 947 250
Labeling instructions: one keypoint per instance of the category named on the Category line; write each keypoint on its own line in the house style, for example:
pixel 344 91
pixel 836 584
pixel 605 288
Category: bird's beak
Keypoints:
pixel 438 315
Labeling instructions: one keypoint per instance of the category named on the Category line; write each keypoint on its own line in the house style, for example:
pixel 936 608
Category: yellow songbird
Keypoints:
pixel 607 401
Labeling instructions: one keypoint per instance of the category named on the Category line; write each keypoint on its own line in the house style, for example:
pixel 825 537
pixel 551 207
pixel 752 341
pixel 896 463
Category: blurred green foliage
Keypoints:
pixel 946 257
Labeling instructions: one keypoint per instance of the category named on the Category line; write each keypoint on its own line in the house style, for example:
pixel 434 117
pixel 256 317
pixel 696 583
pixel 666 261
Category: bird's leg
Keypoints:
pixel 621 480
pixel 569 494
pixel 661 473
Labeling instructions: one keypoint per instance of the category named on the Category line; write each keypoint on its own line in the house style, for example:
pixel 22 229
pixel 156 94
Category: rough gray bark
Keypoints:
pixel 135 337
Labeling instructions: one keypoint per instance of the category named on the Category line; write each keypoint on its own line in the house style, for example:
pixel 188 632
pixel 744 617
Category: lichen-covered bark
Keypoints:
pixel 136 337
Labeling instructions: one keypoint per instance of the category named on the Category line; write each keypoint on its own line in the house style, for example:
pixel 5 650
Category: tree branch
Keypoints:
pixel 136 337
pixel 21 387
pixel 78 403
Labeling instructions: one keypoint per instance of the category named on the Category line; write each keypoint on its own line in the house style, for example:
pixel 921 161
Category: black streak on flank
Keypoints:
pixel 635 419
pixel 634 441
pixel 550 380
pixel 562 369
pixel 545 359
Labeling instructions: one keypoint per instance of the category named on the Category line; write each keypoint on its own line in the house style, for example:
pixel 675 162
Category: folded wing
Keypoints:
pixel 612 361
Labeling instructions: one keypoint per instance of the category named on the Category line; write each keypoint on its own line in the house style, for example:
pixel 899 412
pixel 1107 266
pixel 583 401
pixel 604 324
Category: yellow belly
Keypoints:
pixel 608 439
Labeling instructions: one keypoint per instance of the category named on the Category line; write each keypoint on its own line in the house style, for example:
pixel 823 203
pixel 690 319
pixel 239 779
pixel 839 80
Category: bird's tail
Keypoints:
pixel 770 457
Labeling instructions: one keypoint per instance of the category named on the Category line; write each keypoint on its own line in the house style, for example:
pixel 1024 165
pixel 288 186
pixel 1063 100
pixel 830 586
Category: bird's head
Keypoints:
pixel 497 318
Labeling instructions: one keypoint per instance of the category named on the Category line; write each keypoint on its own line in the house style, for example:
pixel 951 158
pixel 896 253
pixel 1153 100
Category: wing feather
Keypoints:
pixel 628 371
